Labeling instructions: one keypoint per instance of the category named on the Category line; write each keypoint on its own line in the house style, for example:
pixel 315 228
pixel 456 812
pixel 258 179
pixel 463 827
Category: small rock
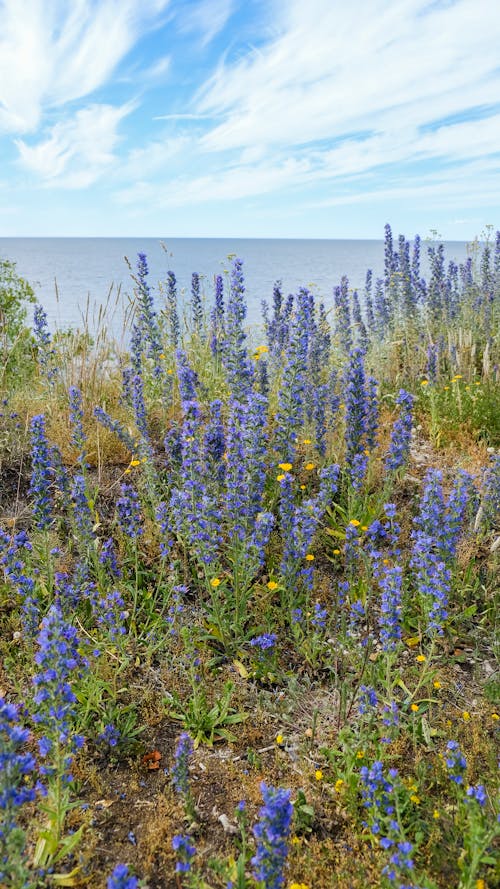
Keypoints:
pixel 228 827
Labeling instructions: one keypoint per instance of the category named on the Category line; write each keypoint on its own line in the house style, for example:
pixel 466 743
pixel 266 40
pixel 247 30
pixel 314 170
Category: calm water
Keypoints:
pixel 74 276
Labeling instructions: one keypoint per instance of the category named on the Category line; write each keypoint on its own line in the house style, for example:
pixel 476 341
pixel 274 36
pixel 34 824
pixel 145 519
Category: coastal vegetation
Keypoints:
pixel 248 584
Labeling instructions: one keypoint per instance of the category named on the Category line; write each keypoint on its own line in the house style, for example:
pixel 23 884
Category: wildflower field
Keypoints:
pixel 247 585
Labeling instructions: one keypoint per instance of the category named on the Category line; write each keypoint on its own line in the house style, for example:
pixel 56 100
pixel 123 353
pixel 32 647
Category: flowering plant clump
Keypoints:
pixel 293 527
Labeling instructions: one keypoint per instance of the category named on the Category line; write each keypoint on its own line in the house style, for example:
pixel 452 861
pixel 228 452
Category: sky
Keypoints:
pixel 249 118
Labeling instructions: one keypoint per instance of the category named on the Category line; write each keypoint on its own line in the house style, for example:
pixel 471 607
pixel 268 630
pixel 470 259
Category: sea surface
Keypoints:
pixel 88 280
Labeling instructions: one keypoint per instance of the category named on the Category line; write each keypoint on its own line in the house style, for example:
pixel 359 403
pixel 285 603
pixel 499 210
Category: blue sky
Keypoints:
pixel 247 118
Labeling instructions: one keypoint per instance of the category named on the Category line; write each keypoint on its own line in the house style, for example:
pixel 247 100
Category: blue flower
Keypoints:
pixel 107 557
pixel 78 437
pixel 343 314
pixel 148 321
pixel 40 487
pixel 291 395
pixel 43 339
pixel 478 793
pixel 129 512
pixel 181 844
pixel 217 318
pixel 180 768
pixel 196 306
pixel 272 832
pixel 81 511
pixel 172 314
pixel 264 642
pixel 390 609
pixel 368 700
pixel 456 762
pixel 239 370
pixel 60 663
pixel 116 428
pixel 121 878
pixel 399 448
pixel 356 409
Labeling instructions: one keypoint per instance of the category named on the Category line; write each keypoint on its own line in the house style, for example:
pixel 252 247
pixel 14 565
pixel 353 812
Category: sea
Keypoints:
pixel 87 282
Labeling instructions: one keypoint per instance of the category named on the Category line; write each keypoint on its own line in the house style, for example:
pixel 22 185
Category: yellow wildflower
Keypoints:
pixel 135 462
pixel 127 471
pixel 280 740
pixel 302 487
pixel 354 523
pixel 215 582
pixel 495 716
pixel 424 383
pixel 421 658
pixel 446 388
pixel 298 885
pixel 309 466
pixel 279 478
pixel 465 715
pixel 480 884
pixel 415 799
pixel 318 775
pixel 272 585
pixel 437 684
pixel 161 355
pixel 338 785
pixel 309 557
pixel 336 552
pixel 286 467
pixel 436 814
pixel 360 754
pixel 170 371
pixel 262 349
pixel 364 527
pixel 307 441
pixel 414 708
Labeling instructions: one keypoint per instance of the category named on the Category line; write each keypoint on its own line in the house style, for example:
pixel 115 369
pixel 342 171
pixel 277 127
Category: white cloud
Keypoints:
pixel 232 184
pixel 468 152
pixel 205 17
pixel 155 157
pixel 338 103
pixel 53 52
pixel 339 67
pixel 78 150
pixel 157 70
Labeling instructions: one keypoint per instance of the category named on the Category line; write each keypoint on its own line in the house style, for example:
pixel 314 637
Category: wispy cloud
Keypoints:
pixel 282 103
pixel 78 150
pixel 183 116
pixel 204 18
pixel 335 67
pixel 52 52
